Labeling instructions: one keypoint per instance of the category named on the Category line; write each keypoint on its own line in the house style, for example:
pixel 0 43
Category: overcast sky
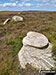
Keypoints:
pixel 22 5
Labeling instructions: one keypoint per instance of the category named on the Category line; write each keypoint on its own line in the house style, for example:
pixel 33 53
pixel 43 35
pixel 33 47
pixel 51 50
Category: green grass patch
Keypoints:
pixel 17 44
pixel 54 58
pixel 54 51
pixel 11 42
pixel 12 20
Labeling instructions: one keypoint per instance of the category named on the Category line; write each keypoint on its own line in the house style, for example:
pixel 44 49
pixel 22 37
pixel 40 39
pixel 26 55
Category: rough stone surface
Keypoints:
pixel 6 21
pixel 39 58
pixel 17 18
pixel 35 39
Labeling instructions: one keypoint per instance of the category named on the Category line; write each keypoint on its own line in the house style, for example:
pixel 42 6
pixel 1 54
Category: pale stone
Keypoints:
pixel 6 21
pixel 41 59
pixel 35 39
pixel 19 13
pixel 37 52
pixel 17 18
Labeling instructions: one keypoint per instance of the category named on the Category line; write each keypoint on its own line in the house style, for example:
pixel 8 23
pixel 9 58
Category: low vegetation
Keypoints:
pixel 17 44
pixel 54 51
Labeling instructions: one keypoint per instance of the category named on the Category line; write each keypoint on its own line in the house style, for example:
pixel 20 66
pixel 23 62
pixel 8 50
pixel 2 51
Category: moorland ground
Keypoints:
pixel 12 33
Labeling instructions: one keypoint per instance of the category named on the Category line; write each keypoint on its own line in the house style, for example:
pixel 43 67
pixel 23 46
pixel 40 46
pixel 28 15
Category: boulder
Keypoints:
pixel 35 39
pixel 6 21
pixel 38 56
pixel 17 18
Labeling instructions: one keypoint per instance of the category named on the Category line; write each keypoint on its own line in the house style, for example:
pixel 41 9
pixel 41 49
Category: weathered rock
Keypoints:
pixel 35 39
pixel 38 57
pixel 17 18
pixel 6 21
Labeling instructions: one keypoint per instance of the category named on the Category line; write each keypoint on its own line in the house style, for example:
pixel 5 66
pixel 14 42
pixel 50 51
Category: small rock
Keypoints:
pixel 17 18
pixel 6 21
pixel 19 13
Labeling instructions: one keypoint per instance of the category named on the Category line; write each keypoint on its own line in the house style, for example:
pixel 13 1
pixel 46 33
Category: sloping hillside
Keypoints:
pixel 11 36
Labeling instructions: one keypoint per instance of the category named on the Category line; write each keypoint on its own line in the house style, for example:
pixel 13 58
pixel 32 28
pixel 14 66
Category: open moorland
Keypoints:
pixel 12 33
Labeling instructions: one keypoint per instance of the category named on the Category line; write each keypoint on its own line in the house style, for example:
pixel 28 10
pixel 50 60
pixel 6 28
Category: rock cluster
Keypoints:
pixel 15 18
pixel 36 51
